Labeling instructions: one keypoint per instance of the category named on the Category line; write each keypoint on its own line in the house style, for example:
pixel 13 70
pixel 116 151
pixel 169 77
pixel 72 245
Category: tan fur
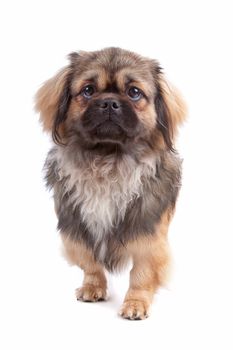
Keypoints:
pixel 146 85
pixel 147 115
pixel 76 109
pixel 150 256
pixel 99 75
pixel 150 267
pixel 94 283
pixel 47 98
pixel 175 104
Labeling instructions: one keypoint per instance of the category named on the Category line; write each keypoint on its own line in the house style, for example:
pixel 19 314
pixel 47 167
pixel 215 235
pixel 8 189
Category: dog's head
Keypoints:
pixel 111 96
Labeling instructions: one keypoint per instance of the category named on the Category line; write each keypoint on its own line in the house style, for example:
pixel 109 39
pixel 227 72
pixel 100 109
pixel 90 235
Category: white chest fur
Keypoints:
pixel 103 188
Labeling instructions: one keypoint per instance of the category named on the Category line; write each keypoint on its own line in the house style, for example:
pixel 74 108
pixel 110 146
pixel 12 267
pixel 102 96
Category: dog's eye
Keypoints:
pixel 134 93
pixel 88 91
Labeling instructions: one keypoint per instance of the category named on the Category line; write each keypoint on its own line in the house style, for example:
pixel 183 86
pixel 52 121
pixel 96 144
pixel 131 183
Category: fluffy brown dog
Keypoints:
pixel 113 168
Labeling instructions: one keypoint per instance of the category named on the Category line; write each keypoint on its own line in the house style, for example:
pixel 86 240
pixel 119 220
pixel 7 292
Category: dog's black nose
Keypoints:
pixel 109 104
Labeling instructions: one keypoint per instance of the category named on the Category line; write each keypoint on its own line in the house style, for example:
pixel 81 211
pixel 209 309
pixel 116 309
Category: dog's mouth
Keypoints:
pixel 111 130
pixel 108 130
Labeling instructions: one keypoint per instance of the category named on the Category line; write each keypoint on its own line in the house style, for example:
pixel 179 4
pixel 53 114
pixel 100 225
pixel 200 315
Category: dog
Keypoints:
pixel 113 168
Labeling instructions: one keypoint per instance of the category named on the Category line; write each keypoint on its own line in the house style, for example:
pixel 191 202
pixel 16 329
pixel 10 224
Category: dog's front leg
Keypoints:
pixel 150 264
pixel 94 283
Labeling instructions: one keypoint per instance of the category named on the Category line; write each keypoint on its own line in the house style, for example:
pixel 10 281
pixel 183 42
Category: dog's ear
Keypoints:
pixel 171 110
pixel 52 101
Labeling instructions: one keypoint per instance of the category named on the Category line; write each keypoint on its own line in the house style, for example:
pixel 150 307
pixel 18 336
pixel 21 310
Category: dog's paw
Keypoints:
pixel 134 310
pixel 89 292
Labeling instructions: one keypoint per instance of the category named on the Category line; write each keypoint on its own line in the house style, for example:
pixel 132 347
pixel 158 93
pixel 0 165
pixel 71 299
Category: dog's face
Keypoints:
pixel 111 96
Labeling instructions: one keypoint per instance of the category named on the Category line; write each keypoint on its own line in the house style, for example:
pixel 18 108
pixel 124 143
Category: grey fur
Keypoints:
pixel 155 191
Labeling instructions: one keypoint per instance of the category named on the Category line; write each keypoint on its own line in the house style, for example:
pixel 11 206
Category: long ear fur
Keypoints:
pixel 52 101
pixel 171 111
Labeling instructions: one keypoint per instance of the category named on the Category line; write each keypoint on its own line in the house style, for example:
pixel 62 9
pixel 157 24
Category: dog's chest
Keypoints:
pixel 103 190
pixel 103 198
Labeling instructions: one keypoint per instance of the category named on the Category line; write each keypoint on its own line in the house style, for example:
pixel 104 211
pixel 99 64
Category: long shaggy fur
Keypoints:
pixel 115 199
pixel 113 168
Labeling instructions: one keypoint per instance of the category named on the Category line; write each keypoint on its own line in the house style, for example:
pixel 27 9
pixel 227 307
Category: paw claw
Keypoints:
pixel 134 310
pixel 90 293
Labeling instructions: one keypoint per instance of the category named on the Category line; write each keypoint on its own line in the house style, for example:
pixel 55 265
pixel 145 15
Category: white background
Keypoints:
pixel 193 42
